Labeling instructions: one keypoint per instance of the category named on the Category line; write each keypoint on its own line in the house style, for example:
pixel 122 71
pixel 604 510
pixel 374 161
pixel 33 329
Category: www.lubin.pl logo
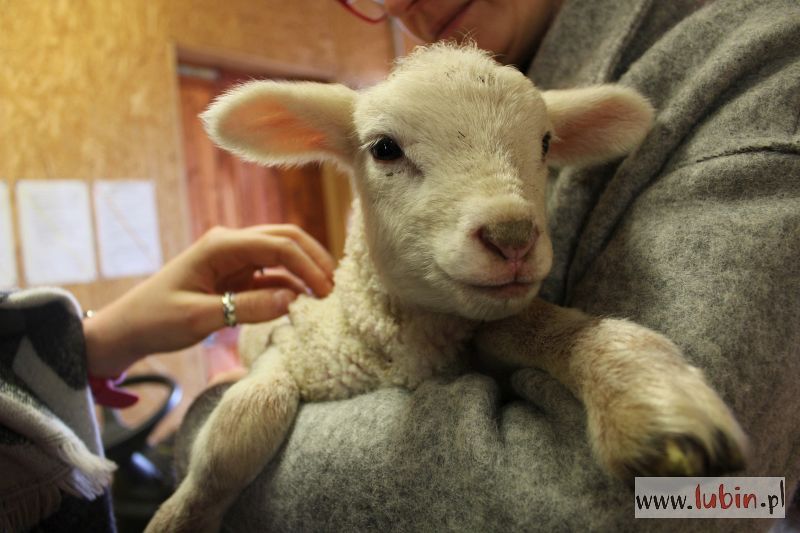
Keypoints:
pixel 710 497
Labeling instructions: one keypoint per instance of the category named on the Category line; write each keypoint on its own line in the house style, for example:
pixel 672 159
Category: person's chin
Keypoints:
pixel 458 25
pixel 499 45
pixel 481 26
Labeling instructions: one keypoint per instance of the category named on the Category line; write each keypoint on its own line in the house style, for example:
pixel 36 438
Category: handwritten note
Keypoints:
pixel 56 232
pixel 127 227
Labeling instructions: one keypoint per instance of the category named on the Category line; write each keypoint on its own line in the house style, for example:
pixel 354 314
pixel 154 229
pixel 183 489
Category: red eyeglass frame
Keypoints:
pixel 361 15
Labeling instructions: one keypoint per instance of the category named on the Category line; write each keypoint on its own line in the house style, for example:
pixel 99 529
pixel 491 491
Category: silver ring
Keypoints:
pixel 229 309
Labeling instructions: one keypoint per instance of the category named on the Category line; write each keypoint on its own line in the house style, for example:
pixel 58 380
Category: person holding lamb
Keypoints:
pixel 693 235
pixel 448 234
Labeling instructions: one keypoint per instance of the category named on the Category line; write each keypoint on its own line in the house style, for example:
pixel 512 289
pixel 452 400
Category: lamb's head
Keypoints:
pixel 449 157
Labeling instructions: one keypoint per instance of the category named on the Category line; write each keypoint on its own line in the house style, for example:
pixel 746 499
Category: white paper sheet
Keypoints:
pixel 127 227
pixel 8 262
pixel 56 232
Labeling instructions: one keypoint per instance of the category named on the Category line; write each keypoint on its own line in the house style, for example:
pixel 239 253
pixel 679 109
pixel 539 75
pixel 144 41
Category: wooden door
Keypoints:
pixel 226 191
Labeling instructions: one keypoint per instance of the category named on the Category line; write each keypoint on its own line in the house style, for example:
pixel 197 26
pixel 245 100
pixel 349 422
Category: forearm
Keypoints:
pixel 111 345
pixel 136 325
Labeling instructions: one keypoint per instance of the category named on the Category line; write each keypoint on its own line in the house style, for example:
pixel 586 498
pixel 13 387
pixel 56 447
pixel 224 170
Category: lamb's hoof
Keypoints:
pixel 662 430
pixel 708 445
pixel 685 456
pixel 658 416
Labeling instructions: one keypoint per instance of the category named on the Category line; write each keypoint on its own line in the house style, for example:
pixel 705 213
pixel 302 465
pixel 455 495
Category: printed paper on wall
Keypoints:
pixel 56 232
pixel 127 227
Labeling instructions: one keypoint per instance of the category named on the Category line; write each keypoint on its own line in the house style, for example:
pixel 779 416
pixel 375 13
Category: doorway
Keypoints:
pixel 224 190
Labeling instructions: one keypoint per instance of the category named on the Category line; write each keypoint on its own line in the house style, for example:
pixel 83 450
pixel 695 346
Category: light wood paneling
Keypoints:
pixel 88 90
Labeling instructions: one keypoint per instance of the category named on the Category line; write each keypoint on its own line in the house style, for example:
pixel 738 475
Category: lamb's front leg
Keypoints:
pixel 240 436
pixel 649 411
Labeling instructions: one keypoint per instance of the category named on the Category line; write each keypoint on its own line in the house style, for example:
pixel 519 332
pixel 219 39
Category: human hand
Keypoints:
pixel 180 304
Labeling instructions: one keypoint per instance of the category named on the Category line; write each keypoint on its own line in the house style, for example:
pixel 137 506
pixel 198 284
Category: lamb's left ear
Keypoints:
pixel 284 123
pixel 595 124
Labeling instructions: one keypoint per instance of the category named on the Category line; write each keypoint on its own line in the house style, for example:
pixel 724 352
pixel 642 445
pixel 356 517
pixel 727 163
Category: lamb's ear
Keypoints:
pixel 284 123
pixel 595 124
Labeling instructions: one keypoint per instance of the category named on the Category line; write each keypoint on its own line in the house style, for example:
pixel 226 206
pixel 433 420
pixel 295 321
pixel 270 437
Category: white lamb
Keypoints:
pixel 449 162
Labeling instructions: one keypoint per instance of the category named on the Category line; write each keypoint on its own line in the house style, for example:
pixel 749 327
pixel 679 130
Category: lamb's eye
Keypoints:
pixel 386 149
pixel 545 144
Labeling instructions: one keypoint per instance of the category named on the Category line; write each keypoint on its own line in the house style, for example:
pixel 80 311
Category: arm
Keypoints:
pixel 180 305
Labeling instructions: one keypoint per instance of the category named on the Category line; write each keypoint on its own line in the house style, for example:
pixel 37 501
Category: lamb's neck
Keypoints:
pixel 385 323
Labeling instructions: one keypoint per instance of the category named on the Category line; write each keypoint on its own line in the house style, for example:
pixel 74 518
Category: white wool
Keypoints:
pixel 358 339
pixel 408 293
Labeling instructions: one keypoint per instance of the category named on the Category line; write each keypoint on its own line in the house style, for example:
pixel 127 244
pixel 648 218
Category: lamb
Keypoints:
pixel 448 244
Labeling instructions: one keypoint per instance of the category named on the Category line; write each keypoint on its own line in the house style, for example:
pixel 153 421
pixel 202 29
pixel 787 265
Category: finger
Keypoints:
pixel 309 244
pixel 276 279
pixel 272 278
pixel 294 259
pixel 241 280
pixel 249 307
pixel 232 250
pixel 262 305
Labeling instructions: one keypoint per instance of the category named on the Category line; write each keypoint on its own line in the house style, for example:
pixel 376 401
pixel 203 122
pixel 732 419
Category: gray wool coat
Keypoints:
pixel 696 235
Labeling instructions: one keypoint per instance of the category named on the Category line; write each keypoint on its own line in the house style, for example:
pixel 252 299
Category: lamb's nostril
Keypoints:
pixel 511 239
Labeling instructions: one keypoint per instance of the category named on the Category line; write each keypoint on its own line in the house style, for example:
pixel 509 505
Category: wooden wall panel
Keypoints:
pixel 317 38
pixel 81 96
pixel 88 90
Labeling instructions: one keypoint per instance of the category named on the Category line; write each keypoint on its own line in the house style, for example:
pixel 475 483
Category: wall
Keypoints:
pixel 88 90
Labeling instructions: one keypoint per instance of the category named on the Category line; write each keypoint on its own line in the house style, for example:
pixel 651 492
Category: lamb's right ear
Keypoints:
pixel 595 124
pixel 284 123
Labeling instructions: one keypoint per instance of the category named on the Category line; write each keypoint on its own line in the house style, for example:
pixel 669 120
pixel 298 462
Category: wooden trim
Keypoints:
pixel 207 56
pixel 338 196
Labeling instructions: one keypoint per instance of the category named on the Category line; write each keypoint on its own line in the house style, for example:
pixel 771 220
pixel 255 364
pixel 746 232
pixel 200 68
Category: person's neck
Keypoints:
pixel 522 53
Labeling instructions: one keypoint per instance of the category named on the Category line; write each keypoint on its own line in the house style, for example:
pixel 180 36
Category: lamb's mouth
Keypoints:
pixel 504 290
pixel 515 288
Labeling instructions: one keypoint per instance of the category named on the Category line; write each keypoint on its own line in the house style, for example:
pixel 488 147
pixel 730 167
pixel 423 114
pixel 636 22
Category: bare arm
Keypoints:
pixel 180 305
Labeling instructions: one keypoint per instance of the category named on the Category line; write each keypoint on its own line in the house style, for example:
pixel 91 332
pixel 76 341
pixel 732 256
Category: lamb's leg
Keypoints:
pixel 239 438
pixel 649 411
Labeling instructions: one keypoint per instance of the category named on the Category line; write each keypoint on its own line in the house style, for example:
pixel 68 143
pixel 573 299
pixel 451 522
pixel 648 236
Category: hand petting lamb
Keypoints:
pixel 448 235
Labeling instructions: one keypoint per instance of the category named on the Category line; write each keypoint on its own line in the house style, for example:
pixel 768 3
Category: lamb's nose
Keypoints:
pixel 511 240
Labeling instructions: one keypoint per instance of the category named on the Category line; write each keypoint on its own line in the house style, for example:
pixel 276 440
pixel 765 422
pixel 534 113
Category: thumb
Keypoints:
pixel 262 305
